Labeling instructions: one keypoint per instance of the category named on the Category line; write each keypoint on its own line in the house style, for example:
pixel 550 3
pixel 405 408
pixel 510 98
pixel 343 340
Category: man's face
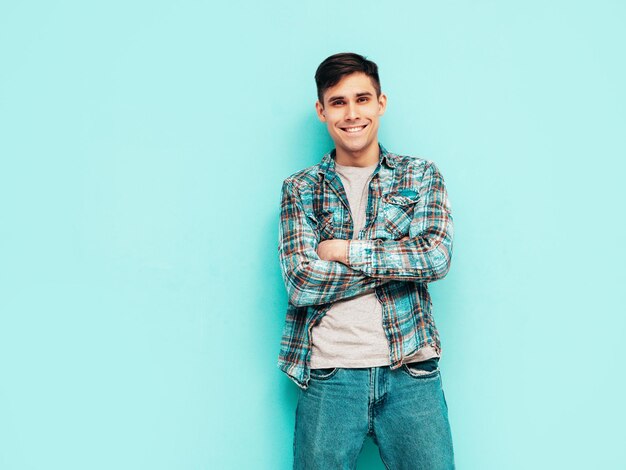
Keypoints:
pixel 351 111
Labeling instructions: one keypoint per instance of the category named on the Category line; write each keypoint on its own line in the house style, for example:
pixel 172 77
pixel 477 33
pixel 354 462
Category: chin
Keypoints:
pixel 352 148
pixel 357 146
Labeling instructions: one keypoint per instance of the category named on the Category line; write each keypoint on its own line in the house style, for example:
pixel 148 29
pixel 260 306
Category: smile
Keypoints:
pixel 352 130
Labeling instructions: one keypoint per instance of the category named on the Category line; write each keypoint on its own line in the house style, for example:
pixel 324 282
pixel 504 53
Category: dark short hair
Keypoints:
pixel 337 66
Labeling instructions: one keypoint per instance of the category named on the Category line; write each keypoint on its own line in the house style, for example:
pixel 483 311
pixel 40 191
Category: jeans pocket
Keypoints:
pixel 323 374
pixel 423 369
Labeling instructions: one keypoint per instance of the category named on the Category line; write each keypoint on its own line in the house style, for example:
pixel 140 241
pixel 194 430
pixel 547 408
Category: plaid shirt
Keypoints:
pixel 406 196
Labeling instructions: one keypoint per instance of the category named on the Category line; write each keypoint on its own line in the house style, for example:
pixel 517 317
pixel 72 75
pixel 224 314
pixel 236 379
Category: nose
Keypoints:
pixel 351 112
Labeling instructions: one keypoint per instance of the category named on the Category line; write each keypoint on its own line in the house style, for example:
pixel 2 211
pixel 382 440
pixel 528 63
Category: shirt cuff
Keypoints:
pixel 361 255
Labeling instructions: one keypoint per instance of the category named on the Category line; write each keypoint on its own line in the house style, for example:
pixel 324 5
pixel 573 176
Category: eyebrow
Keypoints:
pixel 358 95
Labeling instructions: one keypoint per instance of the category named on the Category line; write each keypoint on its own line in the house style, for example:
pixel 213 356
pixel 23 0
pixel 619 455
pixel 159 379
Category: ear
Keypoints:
pixel 382 104
pixel 320 111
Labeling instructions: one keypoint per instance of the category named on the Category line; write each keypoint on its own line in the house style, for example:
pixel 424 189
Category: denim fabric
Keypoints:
pixel 403 409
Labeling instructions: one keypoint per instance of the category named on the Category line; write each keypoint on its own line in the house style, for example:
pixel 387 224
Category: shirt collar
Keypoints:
pixel 328 161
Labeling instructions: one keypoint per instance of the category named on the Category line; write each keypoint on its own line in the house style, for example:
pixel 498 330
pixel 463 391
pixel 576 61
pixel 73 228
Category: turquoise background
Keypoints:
pixel 143 148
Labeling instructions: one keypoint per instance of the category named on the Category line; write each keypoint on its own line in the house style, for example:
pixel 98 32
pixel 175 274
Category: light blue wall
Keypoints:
pixel 143 148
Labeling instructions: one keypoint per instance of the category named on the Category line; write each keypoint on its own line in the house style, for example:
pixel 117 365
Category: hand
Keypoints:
pixel 333 250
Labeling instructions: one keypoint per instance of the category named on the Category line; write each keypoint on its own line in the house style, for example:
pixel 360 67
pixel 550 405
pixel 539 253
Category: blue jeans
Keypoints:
pixel 404 410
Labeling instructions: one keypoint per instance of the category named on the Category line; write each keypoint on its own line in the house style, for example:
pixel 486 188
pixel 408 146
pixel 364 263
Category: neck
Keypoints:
pixel 366 157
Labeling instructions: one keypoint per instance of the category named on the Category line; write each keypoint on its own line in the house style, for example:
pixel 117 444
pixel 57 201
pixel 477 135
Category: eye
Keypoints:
pixel 363 99
pixel 337 102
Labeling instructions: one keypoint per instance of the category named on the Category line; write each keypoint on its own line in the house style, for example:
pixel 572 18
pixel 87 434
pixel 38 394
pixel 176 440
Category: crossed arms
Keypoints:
pixel 318 273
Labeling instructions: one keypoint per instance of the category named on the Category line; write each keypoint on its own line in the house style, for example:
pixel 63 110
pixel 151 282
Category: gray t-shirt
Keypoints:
pixel 351 333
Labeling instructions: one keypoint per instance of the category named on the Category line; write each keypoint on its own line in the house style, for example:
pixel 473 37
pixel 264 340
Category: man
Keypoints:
pixel 361 234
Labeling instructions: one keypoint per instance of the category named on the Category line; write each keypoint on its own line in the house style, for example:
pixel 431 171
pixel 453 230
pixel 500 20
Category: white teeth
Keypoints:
pixel 353 129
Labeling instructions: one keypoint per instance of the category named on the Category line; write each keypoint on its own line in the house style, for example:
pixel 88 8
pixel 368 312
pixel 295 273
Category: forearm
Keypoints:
pixel 420 258
pixel 319 282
